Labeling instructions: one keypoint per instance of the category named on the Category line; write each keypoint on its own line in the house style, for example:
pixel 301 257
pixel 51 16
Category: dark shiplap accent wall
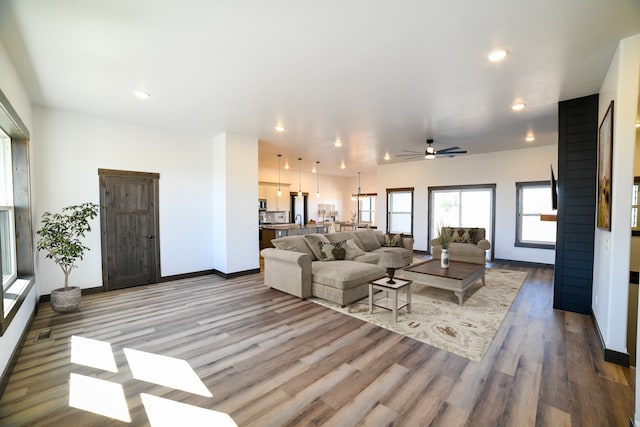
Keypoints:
pixel 577 170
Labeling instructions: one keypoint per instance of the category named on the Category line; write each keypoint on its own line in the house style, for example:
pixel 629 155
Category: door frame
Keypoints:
pixel 155 177
pixel 305 207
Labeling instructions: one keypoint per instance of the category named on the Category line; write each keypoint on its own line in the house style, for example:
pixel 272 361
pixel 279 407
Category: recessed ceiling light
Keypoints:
pixel 518 106
pixel 497 55
pixel 530 138
pixel 141 94
pixel 338 143
pixel 279 128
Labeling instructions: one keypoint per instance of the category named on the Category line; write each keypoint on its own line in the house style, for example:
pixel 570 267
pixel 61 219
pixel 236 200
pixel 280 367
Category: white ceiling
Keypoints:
pixel 382 76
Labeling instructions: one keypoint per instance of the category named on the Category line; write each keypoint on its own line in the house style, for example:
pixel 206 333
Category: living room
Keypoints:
pixel 205 225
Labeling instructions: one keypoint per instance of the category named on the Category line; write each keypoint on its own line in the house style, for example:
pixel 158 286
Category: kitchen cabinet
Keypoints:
pixel 272 198
pixel 269 192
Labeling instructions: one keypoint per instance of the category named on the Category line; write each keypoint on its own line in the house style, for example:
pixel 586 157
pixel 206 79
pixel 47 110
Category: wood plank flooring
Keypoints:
pixel 270 359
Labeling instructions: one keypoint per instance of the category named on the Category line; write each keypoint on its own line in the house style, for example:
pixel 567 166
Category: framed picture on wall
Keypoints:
pixel 605 165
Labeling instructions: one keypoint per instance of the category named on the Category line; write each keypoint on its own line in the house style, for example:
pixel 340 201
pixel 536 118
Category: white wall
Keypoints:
pixel 235 221
pixel 503 169
pixel 612 248
pixel 71 149
pixel 15 92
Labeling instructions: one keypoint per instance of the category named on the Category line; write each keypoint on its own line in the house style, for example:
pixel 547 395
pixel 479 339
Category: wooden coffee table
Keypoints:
pixel 457 278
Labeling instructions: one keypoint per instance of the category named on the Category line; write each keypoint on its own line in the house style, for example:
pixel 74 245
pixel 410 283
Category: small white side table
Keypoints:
pixel 393 289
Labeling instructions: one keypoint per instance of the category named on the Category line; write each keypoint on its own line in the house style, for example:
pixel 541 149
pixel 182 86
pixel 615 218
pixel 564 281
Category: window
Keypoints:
pixel 16 243
pixel 534 199
pixel 400 211
pixel 7 223
pixel 462 206
pixel 367 206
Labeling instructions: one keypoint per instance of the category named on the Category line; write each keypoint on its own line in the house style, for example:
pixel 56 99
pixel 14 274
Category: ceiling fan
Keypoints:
pixel 432 153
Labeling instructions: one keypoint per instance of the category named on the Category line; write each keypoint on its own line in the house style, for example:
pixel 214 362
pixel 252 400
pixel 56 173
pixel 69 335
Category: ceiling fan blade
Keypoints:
pixel 416 154
pixel 447 153
pixel 446 150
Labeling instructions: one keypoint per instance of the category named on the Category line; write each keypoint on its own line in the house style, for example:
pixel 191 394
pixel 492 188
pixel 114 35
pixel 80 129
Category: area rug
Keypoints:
pixel 437 319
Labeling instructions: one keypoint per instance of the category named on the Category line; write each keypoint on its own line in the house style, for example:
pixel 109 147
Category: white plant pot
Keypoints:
pixel 444 258
pixel 65 300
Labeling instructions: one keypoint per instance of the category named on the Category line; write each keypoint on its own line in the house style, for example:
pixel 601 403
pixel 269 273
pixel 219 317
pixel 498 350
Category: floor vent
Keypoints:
pixel 43 334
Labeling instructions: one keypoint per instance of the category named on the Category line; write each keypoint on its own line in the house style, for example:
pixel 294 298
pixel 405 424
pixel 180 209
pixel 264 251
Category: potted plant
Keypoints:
pixel 445 240
pixel 60 237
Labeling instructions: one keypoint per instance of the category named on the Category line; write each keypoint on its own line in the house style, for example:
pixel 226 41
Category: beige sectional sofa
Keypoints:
pixel 305 265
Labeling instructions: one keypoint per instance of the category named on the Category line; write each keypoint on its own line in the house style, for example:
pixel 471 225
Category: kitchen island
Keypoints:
pixel 275 231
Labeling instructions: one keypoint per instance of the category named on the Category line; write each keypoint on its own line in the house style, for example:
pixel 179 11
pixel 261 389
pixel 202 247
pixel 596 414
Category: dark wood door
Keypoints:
pixel 129 228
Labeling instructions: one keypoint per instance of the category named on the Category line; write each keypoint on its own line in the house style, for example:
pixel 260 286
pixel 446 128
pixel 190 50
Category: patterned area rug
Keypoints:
pixel 437 319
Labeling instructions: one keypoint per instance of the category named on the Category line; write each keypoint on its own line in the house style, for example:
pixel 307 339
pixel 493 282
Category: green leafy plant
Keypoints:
pixel 445 237
pixel 61 233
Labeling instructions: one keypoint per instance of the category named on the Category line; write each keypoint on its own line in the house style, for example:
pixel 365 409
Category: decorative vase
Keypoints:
pixel 65 300
pixel 444 259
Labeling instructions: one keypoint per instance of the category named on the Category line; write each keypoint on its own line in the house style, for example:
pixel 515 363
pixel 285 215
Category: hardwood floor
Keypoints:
pixel 270 359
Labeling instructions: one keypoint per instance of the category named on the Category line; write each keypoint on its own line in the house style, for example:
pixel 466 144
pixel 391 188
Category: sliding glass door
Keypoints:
pixel 462 206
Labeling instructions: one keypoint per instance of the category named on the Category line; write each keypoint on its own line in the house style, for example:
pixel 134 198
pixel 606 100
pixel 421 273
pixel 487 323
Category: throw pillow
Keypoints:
pixel 313 241
pixel 461 235
pixel 474 233
pixel 327 251
pixel 352 250
pixel 393 240
pixel 339 253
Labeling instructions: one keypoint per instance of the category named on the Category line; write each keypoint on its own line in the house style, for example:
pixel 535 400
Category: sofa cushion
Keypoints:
pixel 341 236
pixel 352 249
pixel 345 274
pixel 295 244
pixel 315 241
pixel 368 257
pixel 368 239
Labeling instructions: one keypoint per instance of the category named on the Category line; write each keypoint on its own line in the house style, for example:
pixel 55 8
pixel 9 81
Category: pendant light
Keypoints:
pixel 358 198
pixel 299 177
pixel 357 195
pixel 279 191
pixel 318 180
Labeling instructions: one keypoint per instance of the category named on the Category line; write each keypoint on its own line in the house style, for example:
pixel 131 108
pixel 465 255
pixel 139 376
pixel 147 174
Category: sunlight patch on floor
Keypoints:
pixel 98 396
pixel 93 353
pixel 107 398
pixel 169 413
pixel 165 371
